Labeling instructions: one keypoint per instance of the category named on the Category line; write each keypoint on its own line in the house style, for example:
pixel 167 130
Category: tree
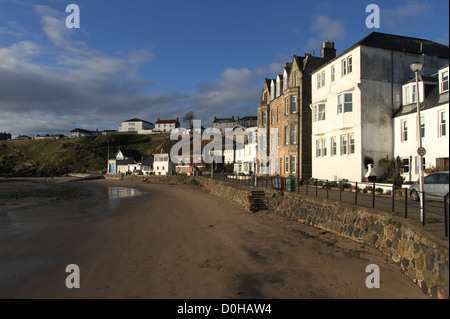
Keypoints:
pixel 188 117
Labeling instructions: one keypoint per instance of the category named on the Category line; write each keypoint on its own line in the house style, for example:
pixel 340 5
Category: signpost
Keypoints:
pixel 421 151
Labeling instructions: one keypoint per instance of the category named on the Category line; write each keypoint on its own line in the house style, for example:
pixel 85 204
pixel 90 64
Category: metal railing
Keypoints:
pixel 386 197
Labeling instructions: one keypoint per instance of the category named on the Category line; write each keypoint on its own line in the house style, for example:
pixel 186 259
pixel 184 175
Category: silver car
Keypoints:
pixel 435 187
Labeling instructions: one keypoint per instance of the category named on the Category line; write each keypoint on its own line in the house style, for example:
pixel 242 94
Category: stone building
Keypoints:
pixel 285 116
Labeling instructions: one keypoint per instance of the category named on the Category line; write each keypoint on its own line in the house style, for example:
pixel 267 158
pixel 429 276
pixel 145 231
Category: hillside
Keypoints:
pixel 72 155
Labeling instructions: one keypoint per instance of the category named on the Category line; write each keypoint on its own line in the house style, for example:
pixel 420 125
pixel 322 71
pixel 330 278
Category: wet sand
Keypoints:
pixel 179 242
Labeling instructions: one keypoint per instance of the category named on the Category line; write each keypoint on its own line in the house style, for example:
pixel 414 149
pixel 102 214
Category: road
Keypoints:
pixel 181 242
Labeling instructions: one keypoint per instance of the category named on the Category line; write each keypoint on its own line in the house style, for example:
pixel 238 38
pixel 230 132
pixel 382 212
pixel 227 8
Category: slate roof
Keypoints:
pixel 399 43
pixel 138 120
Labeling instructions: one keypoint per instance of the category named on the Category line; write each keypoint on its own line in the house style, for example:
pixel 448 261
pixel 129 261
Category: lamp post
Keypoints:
pixel 416 67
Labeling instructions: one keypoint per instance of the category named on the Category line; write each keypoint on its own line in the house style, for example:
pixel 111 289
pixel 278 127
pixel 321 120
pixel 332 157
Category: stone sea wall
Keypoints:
pixel 423 257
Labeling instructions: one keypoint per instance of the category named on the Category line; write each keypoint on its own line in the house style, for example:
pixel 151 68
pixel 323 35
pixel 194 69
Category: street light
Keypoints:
pixel 416 67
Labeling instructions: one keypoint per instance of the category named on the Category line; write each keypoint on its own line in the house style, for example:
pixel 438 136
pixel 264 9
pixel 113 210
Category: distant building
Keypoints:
pixel 247 121
pixel 135 125
pixel 166 126
pixel 23 137
pixel 81 132
pixel 162 165
pixel 126 162
pixel 5 136
pixel 223 124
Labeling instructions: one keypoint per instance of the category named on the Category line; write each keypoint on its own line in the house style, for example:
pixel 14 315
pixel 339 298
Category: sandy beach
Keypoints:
pixel 136 240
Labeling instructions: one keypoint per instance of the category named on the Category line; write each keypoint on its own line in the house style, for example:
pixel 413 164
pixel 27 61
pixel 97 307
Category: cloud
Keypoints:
pixel 325 28
pixel 399 19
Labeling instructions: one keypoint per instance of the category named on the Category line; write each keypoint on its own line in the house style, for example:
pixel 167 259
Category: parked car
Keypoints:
pixel 435 187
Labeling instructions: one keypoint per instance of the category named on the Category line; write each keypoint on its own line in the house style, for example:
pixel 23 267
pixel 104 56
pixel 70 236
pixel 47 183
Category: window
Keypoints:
pixel 286 135
pixel 294 79
pixel 333 73
pixel 407 93
pixel 264 118
pixel 422 126
pixel 272 116
pixel 444 80
pixel 321 112
pixel 344 145
pixel 442 124
pixel 351 138
pixel 278 114
pixel 345 103
pixel 333 146
pixel 278 139
pixel 321 79
pixel 405 165
pixel 324 147
pixel 287 106
pixel 293 104
pixel 404 127
pixel 347 65
pixel 286 164
pixel 417 164
pixel 318 148
pixel 414 95
pixel 293 163
pixel 293 134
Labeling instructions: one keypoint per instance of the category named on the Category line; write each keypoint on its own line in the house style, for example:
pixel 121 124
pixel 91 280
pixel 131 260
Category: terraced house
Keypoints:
pixel 355 98
pixel 285 116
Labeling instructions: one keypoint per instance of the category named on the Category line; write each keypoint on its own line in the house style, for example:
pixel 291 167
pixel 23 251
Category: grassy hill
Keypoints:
pixel 72 155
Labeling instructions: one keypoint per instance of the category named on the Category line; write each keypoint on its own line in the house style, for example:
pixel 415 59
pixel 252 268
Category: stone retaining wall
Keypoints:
pixel 423 257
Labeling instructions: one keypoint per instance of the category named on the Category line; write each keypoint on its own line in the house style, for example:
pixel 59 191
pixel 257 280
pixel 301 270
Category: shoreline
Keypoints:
pixel 182 242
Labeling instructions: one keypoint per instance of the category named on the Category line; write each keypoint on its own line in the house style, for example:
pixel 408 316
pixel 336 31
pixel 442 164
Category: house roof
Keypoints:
pixel 80 130
pixel 134 154
pixel 224 120
pixel 137 120
pixel 166 121
pixel 399 43
pixel 431 100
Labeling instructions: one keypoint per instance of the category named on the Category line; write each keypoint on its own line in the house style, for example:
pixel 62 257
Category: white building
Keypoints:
pixel 135 125
pixel 162 165
pixel 434 113
pixel 246 153
pixel 354 97
pixel 166 126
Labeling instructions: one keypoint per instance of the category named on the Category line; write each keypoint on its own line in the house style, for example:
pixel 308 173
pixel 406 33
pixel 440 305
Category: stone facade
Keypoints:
pixel 286 101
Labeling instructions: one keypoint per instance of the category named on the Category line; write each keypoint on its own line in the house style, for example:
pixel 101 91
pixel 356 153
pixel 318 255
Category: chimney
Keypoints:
pixel 328 50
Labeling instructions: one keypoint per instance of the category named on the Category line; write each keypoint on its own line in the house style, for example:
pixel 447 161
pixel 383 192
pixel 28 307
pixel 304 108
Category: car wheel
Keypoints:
pixel 414 196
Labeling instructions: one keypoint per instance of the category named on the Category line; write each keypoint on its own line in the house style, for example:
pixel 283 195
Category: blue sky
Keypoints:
pixel 151 59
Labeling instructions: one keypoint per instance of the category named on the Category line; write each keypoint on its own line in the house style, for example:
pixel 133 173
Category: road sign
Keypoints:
pixel 421 151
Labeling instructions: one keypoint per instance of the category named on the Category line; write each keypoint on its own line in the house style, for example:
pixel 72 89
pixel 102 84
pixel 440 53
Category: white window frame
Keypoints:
pixel 324 147
pixel 333 146
pixel 347 65
pixel 293 164
pixel 351 143
pixel 293 104
pixel 333 73
pixel 286 105
pixel 344 146
pixel 444 81
pixel 294 132
pixel 319 148
pixel 344 106
pixel 286 164
pixel 442 123
pixel 404 130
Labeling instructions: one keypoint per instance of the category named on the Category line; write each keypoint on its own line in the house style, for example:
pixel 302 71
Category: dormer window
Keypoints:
pixel 409 94
pixel 444 81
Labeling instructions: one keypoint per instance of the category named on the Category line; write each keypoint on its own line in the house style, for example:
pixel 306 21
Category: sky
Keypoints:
pixel 162 59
